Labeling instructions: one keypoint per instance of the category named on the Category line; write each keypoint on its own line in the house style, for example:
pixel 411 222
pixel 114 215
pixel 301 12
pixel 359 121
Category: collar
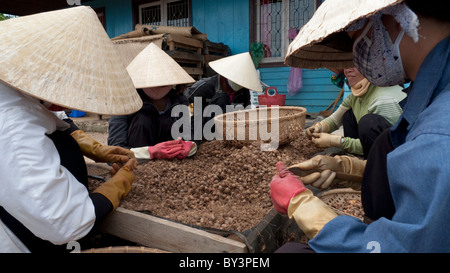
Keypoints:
pixel 218 87
pixel 432 76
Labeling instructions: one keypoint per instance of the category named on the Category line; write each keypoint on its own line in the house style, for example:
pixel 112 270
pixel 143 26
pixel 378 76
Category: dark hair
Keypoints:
pixel 437 9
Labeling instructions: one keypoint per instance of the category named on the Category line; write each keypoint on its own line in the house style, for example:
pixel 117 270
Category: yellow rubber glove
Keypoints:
pixel 325 140
pixel 290 196
pixel 310 213
pixel 116 188
pixel 326 168
pixel 318 127
pixel 98 152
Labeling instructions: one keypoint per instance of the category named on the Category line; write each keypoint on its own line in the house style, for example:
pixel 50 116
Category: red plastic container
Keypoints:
pixel 274 99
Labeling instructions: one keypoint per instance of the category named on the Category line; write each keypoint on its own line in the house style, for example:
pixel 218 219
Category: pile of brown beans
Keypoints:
pixel 222 186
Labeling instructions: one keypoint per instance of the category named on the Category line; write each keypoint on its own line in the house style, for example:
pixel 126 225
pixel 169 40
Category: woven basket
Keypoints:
pixel 246 126
pixel 337 198
pixel 124 249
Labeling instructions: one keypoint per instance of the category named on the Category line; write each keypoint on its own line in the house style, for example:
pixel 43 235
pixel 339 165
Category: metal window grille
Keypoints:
pixel 271 27
pixel 300 11
pixel 278 22
pixel 151 15
pixel 178 13
pixel 165 13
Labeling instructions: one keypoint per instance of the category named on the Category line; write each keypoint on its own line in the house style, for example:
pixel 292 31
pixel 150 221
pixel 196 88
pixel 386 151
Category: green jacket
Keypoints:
pixel 383 101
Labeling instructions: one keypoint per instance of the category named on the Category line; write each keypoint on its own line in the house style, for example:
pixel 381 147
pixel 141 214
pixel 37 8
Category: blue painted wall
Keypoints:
pixel 227 21
pixel 118 15
pixel 317 91
pixel 224 21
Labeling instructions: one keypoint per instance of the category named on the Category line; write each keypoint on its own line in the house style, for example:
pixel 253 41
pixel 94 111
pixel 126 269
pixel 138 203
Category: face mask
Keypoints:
pixel 234 86
pixel 377 58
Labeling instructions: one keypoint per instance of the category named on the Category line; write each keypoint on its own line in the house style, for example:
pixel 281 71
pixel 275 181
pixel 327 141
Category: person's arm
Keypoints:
pixel 118 131
pixel 352 145
pixel 290 196
pixel 102 205
pixel 36 190
pixel 99 152
pixel 334 121
pixel 386 107
pixel 420 188
pixel 166 150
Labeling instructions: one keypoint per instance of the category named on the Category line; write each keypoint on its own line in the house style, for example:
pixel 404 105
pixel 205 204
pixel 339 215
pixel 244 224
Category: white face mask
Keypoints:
pixel 234 86
pixel 377 58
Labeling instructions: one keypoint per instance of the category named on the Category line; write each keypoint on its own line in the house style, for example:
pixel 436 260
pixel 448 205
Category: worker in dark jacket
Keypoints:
pixel 236 76
pixel 218 90
pixel 149 131
pixel 150 125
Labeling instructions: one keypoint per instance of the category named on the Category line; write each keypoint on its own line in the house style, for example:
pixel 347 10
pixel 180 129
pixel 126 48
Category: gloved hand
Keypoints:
pixel 291 197
pixel 310 213
pixel 166 150
pixel 325 140
pixel 283 187
pixel 318 127
pixel 119 185
pixel 98 152
pixel 186 149
pixel 326 168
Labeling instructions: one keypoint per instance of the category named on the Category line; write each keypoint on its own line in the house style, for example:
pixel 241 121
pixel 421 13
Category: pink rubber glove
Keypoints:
pixel 283 187
pixel 186 149
pixel 166 150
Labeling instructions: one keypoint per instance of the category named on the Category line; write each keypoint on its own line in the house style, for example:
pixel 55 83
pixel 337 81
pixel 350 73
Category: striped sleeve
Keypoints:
pixel 387 107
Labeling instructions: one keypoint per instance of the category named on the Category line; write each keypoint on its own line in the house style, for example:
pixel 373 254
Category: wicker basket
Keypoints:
pixel 124 249
pixel 249 125
pixel 336 199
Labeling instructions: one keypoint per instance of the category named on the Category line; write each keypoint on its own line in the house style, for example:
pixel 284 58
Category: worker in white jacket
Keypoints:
pixel 44 200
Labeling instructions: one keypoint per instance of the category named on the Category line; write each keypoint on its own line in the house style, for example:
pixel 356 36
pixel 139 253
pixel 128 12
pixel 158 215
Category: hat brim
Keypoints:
pixel 153 67
pixel 323 42
pixel 239 69
pixel 66 58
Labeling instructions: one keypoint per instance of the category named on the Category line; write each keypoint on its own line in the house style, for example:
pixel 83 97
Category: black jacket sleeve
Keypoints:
pixel 118 131
pixel 102 207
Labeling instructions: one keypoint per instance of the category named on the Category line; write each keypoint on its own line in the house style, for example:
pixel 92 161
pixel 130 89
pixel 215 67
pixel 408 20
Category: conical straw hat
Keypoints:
pixel 65 57
pixel 153 67
pixel 322 42
pixel 238 69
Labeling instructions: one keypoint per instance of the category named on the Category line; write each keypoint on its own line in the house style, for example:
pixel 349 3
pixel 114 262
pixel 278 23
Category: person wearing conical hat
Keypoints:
pixel 236 75
pixel 148 132
pixel 62 58
pixel 405 179
pixel 364 114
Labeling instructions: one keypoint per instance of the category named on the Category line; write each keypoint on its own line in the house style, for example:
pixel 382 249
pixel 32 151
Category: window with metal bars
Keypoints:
pixel 165 13
pixel 277 22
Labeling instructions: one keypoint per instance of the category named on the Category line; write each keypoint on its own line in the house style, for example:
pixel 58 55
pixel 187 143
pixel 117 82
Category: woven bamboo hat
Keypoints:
pixel 66 58
pixel 238 69
pixel 153 67
pixel 322 42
